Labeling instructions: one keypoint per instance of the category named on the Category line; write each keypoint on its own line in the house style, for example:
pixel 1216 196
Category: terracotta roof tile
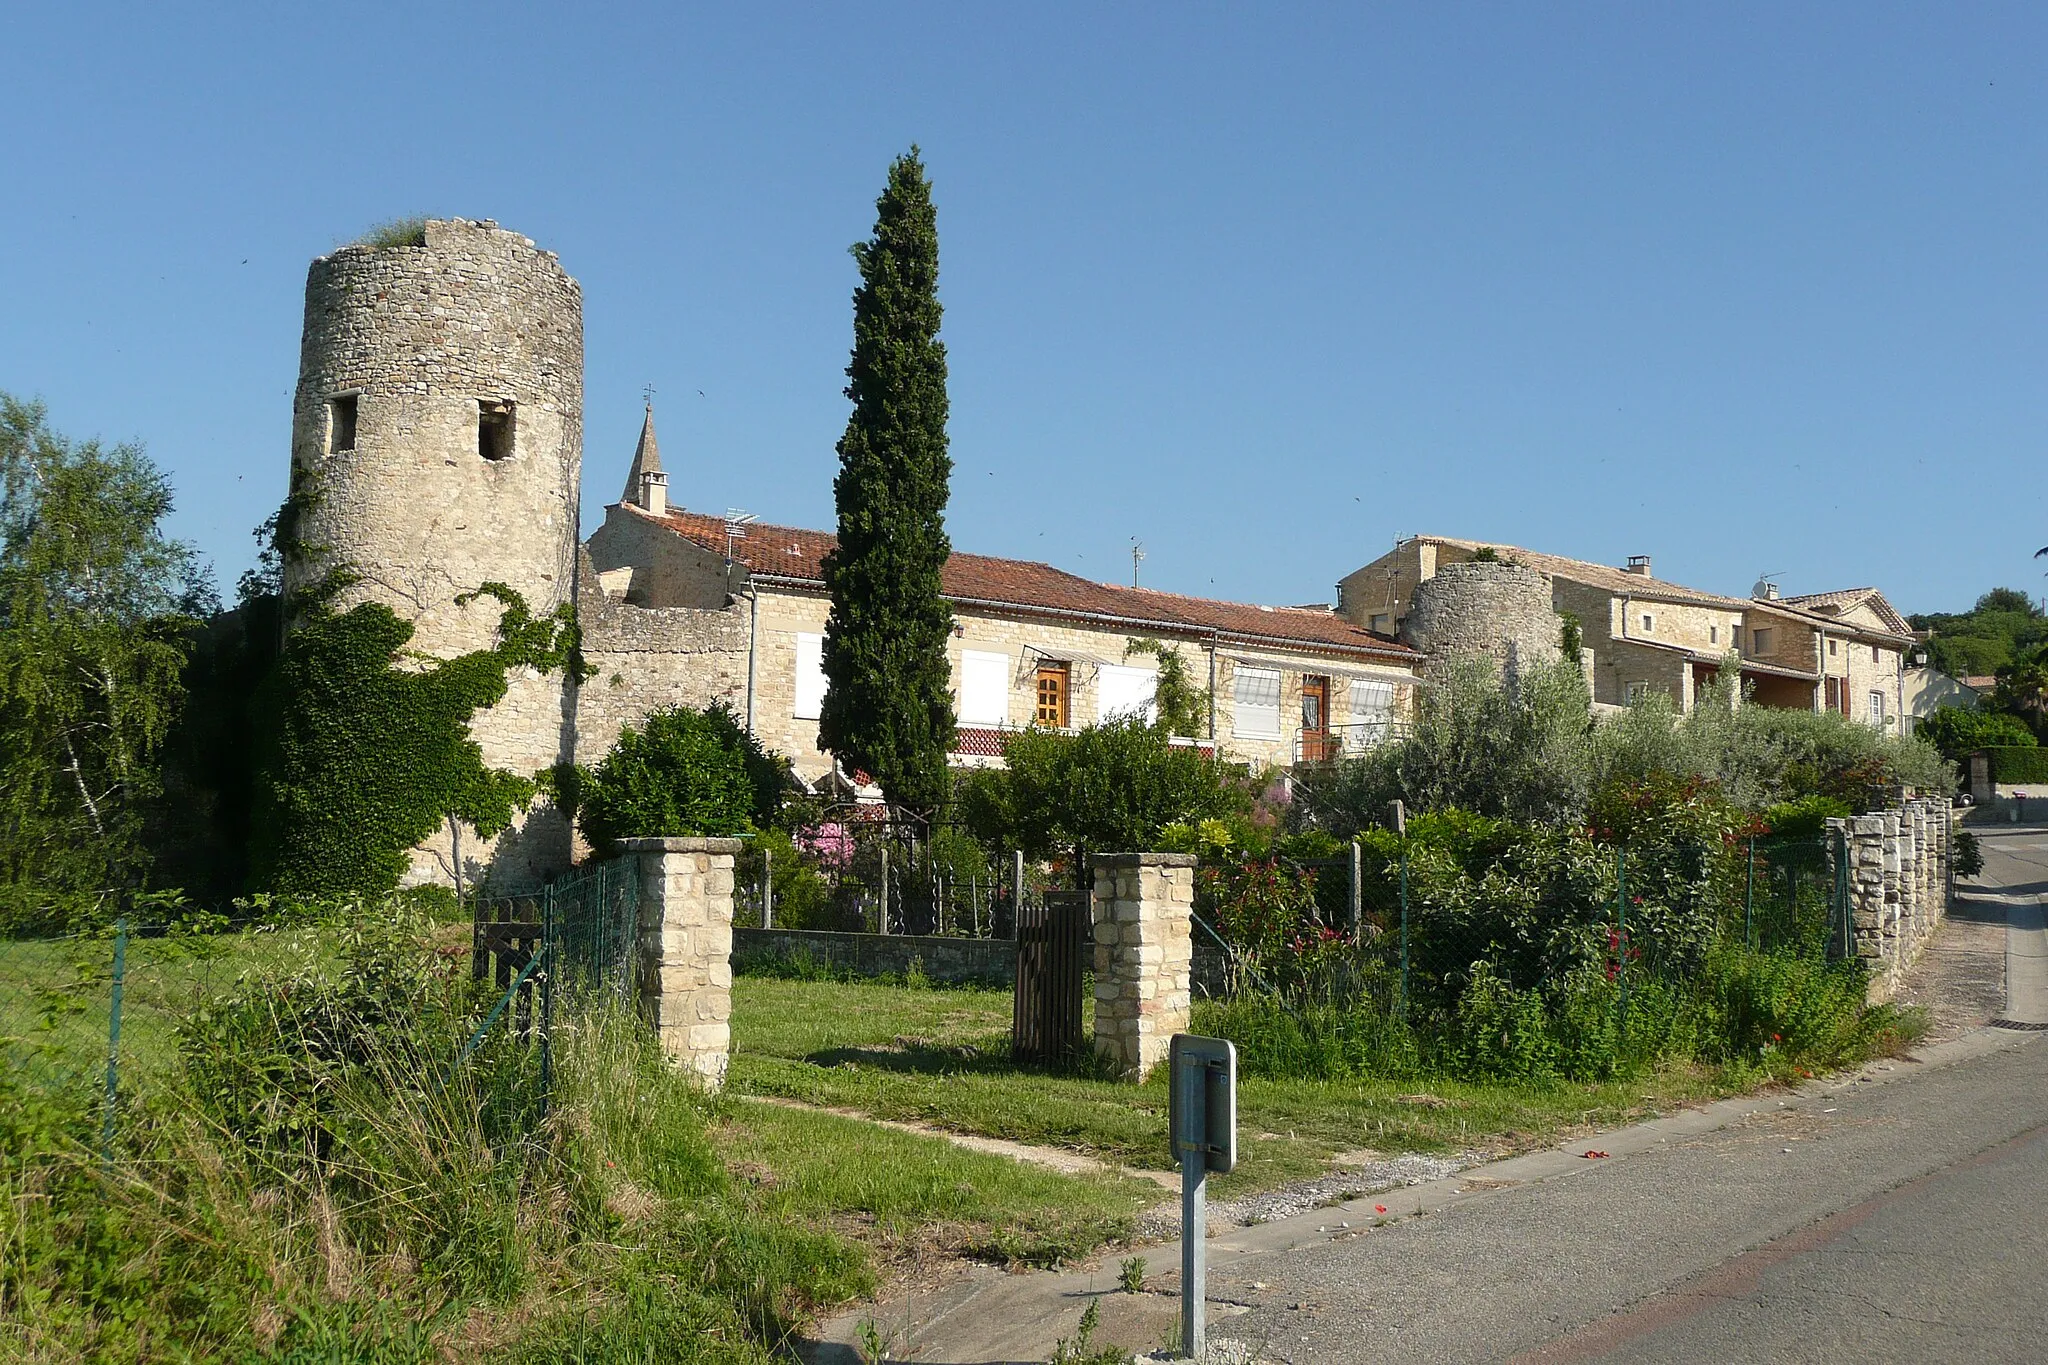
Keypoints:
pixel 788 552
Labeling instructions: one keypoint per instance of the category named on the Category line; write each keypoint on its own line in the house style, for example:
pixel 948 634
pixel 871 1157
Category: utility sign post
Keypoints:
pixel 1202 1122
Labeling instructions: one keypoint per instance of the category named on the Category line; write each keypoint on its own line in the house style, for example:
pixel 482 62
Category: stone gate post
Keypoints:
pixel 686 948
pixel 1143 911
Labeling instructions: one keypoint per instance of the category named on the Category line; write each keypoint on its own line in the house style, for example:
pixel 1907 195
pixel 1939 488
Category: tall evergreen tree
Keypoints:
pixel 888 705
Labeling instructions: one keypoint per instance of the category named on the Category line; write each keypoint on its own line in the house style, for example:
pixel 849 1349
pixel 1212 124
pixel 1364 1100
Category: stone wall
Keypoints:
pixel 943 958
pixel 685 970
pixel 1143 911
pixel 1898 884
pixel 1502 611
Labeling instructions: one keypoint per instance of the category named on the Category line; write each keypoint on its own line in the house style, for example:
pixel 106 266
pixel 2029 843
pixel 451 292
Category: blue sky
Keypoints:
pixel 1749 288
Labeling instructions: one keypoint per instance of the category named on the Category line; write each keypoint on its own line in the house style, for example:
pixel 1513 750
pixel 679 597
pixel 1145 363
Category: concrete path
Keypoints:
pixel 1888 1215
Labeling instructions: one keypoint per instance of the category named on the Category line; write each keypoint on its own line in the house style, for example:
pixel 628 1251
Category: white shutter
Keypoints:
pixel 810 676
pixel 1257 713
pixel 984 688
pixel 1122 690
pixel 1371 701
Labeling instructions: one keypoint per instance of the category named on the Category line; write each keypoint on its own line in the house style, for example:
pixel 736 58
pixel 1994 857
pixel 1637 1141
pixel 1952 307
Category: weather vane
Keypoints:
pixel 647 392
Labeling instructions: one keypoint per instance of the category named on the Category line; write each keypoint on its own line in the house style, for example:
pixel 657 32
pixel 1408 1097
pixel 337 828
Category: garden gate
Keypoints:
pixel 1052 941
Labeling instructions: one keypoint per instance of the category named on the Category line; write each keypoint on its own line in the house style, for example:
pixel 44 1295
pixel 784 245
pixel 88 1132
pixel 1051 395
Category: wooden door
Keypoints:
pixel 1315 718
pixel 1053 937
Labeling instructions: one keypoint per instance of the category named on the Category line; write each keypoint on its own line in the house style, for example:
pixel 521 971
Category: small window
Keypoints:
pixel 493 429
pixel 1649 622
pixel 1875 657
pixel 1713 635
pixel 1831 647
pixel 341 423
pixel 1763 640
pixel 1055 689
pixel 1877 708
pixel 1635 692
pixel 1257 713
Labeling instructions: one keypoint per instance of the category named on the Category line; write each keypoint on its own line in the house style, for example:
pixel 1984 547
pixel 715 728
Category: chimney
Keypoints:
pixel 654 491
pixel 1639 564
pixel 1770 592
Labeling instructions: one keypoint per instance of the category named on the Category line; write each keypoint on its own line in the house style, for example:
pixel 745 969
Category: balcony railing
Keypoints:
pixel 1347 741
pixel 986 741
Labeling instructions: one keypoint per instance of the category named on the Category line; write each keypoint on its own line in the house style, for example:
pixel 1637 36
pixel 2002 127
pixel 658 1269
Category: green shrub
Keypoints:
pixel 1967 855
pixel 684 773
pixel 1501 1033
pixel 1960 731
pixel 2011 764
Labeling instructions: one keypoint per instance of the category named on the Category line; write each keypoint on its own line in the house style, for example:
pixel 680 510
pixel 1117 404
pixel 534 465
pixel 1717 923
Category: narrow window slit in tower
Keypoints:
pixel 341 423
pixel 493 429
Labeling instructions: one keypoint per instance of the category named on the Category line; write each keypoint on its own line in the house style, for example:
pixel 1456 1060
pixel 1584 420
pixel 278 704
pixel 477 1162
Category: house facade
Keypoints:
pixel 1843 651
pixel 1031 645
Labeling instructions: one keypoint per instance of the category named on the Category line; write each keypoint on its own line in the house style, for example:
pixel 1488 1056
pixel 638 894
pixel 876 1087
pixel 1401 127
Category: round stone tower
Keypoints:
pixel 1497 610
pixel 438 426
pixel 437 440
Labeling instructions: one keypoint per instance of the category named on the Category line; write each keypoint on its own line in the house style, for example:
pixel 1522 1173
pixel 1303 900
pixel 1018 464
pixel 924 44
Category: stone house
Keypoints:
pixel 1638 633
pixel 1031 644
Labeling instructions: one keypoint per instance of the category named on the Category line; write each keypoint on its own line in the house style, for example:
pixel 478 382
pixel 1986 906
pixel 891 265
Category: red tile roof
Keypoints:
pixel 795 555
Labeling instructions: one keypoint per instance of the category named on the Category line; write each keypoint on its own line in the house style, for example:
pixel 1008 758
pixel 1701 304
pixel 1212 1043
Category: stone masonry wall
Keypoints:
pixel 686 948
pixel 1898 884
pixel 1498 610
pixel 1143 910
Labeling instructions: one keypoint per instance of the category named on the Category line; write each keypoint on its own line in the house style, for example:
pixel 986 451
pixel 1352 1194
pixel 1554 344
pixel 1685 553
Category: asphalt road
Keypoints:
pixel 1899 1219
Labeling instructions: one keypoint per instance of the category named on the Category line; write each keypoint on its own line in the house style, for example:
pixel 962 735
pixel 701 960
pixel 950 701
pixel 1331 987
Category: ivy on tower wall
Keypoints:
pixel 364 749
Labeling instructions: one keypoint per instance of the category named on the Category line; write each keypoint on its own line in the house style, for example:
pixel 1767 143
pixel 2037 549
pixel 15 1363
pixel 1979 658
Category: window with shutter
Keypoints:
pixel 1122 690
pixel 1257 713
pixel 810 677
pixel 1372 711
pixel 984 688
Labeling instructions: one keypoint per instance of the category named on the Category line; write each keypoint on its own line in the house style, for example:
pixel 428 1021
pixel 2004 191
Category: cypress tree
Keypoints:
pixel 888 705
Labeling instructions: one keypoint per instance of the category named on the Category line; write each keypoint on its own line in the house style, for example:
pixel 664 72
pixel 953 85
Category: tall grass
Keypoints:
pixel 327 1185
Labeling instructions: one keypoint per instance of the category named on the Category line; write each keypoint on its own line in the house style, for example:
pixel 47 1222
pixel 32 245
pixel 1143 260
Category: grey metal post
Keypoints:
pixel 1016 890
pixel 767 888
pixel 1194 1208
pixel 1357 889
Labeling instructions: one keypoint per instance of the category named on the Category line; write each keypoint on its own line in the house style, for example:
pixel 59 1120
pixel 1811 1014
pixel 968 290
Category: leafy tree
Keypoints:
pixel 95 603
pixel 685 772
pixel 1107 788
pixel 888 706
pixel 2001 626
pixel 1958 731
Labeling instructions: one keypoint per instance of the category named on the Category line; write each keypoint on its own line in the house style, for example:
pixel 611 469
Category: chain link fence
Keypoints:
pixel 1375 934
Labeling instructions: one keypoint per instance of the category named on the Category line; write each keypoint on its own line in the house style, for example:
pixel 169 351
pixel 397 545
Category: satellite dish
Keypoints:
pixel 1763 585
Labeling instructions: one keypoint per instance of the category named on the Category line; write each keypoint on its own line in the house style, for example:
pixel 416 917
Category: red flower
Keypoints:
pixel 1379 1208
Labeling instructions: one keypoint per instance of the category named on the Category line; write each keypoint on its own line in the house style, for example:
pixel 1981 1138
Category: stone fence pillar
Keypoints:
pixel 1143 911
pixel 686 948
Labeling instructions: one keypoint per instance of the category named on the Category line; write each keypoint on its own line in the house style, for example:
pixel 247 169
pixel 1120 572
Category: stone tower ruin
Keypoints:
pixel 437 442
pixel 1500 611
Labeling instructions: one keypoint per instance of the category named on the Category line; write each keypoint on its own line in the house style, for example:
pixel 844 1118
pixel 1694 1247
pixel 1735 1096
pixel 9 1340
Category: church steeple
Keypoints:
pixel 646 484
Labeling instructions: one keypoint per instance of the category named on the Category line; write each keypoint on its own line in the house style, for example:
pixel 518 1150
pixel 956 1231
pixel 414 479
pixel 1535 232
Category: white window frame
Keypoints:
pixel 809 701
pixel 1125 689
pixel 1876 707
pixel 1257 718
pixel 1649 623
pixel 1631 693
pixel 984 696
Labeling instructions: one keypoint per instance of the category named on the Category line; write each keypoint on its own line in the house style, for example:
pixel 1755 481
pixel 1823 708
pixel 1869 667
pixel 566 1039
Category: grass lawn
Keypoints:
pixel 942 1057
pixel 56 994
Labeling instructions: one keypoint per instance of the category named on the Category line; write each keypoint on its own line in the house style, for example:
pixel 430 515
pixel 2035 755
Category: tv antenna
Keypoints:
pixel 1137 558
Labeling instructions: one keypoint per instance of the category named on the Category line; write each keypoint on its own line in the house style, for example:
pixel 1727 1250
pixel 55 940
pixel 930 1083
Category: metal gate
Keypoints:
pixel 1052 943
